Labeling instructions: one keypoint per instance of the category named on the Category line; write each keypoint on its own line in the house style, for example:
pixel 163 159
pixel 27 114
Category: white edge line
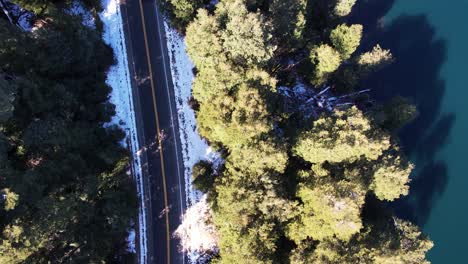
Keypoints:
pixel 142 226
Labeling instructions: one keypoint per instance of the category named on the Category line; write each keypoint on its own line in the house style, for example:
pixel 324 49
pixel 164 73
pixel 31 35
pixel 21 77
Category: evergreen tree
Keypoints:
pixel 326 61
pixel 374 59
pixel 341 136
pixel 234 121
pixel 391 177
pixel 346 39
pixel 249 230
pixel 343 7
pixel 246 37
pixel 394 241
pixel 259 156
pixel 184 11
pixel 277 187
pixel 398 112
pixel 361 66
pixel 203 41
pixel 10 199
pixel 330 209
pixel 66 200
pixel 288 19
pixel 202 176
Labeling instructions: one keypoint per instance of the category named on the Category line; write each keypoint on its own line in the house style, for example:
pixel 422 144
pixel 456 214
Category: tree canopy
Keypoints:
pixel 343 7
pixel 395 241
pixel 346 39
pixel 342 136
pixel 296 187
pixel 63 199
pixel 326 60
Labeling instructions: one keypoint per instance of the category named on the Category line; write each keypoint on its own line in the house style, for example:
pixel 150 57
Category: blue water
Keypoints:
pixel 429 39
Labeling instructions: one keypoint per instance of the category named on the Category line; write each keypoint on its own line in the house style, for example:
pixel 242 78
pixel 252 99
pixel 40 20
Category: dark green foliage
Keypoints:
pixel 288 19
pixel 184 11
pixel 326 61
pixel 342 136
pixel 390 241
pixel 36 6
pixel 234 94
pixel 346 39
pixel 296 195
pixel 69 196
pixel 7 96
pixel 330 208
pixel 398 112
pixel 40 7
pixel 202 176
pixel 357 69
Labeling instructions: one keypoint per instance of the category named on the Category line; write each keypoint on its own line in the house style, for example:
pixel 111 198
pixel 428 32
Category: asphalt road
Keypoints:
pixel 157 127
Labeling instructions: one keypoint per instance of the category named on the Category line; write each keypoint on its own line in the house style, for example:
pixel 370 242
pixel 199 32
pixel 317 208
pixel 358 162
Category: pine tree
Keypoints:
pixel 342 136
pixel 346 39
pixel 247 37
pixel 326 61
pixel 343 7
pixel 184 11
pixel 330 209
pixel 391 177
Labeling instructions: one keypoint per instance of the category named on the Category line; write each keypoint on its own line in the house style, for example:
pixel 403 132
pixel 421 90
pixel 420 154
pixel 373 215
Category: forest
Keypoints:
pixel 66 192
pixel 312 162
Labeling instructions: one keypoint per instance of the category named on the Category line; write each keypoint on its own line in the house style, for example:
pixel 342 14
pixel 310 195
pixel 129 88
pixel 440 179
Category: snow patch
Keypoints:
pixel 311 102
pixel 197 232
pixel 121 96
pixel 17 15
pixel 77 8
pixel 131 241
pixel 194 148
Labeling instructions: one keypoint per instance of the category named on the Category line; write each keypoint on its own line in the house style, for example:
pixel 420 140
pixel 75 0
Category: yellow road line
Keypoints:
pixel 158 131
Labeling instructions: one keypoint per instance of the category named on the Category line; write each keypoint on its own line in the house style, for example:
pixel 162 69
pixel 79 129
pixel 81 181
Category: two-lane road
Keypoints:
pixel 157 127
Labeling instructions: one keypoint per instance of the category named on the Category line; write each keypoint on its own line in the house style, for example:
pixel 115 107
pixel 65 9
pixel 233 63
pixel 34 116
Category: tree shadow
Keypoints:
pixel 426 188
pixel 437 138
pixel 428 183
pixel 370 13
pixel 415 74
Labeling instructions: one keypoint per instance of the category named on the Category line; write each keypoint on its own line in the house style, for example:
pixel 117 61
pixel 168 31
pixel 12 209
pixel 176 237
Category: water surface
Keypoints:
pixel 429 39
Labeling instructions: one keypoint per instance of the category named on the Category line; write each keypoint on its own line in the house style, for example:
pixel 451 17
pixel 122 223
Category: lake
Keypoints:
pixel 429 39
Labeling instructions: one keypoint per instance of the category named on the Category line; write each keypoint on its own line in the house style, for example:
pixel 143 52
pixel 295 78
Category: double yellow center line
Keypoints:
pixel 166 209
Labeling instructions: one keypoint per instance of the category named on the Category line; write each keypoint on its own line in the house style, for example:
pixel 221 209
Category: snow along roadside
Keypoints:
pixel 78 9
pixel 121 96
pixel 194 148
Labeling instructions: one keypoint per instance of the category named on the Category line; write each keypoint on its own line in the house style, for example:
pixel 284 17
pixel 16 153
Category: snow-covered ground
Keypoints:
pixel 131 241
pixel 17 15
pixel 77 8
pixel 121 96
pixel 194 149
pixel 198 234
